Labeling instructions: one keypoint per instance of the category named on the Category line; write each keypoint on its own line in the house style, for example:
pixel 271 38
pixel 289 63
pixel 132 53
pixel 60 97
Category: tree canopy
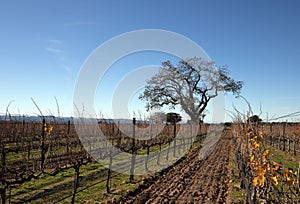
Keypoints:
pixel 191 84
pixel 173 117
pixel 254 119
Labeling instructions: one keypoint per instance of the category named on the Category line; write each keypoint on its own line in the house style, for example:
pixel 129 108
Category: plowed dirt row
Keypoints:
pixel 190 181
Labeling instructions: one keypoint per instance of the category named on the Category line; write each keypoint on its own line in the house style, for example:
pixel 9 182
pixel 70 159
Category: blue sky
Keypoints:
pixel 45 43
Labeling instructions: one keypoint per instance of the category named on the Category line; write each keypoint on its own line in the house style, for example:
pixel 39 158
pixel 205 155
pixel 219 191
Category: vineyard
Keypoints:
pixel 269 162
pixel 31 150
pixel 47 162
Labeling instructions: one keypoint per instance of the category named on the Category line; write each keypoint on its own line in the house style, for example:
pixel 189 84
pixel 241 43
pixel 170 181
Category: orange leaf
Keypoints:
pixel 276 166
pixel 286 174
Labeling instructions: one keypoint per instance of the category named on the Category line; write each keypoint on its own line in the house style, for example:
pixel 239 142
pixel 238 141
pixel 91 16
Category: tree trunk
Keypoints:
pixel 195 118
pixel 174 132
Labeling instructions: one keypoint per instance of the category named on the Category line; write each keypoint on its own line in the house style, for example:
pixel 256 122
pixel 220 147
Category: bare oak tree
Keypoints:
pixel 191 84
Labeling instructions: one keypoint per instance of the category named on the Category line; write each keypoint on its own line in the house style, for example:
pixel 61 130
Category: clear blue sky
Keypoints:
pixel 44 43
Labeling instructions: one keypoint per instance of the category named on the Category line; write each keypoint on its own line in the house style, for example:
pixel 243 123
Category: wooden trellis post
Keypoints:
pixel 133 152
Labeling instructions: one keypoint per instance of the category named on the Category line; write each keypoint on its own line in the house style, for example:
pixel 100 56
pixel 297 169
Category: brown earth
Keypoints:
pixel 190 180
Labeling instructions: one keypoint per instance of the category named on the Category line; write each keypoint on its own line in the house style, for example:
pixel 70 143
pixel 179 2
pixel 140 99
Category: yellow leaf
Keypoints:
pixel 254 137
pixel 261 170
pixel 273 178
pixel 50 129
pixel 249 132
pixel 266 153
pixel 255 145
pixel 255 180
pixel 252 160
pixel 45 127
pixel 259 180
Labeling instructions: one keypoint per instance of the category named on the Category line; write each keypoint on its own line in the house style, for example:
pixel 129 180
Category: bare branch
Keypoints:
pixel 7 110
pixel 57 107
pixel 37 107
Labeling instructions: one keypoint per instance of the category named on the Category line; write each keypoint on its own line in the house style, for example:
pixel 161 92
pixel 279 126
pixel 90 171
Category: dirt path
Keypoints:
pixel 190 181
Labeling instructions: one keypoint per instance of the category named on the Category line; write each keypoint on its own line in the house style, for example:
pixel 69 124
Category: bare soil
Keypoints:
pixel 190 180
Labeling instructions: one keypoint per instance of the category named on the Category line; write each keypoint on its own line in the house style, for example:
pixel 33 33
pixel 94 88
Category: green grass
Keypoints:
pixel 286 193
pixel 153 149
pixel 235 194
pixel 59 188
pixel 50 189
pixel 286 159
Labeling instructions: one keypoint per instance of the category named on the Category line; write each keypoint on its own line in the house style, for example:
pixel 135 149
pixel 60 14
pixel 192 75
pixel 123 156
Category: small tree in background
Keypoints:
pixel 254 119
pixel 173 118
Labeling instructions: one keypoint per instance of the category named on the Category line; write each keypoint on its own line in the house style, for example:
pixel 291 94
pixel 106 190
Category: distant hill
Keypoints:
pixel 61 119
pixel 34 118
